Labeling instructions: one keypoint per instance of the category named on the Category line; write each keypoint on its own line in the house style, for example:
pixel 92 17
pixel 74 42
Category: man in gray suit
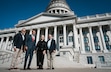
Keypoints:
pixel 30 47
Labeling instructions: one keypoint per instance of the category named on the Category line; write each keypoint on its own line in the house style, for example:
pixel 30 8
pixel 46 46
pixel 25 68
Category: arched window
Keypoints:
pixel 87 48
pixel 106 38
pixel 97 47
pixel 86 40
pixel 96 39
pixel 108 46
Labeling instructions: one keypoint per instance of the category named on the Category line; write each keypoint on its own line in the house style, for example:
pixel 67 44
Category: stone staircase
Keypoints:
pixel 5 56
pixel 62 61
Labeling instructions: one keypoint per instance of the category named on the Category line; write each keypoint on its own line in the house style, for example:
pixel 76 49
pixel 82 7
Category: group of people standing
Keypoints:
pixel 27 43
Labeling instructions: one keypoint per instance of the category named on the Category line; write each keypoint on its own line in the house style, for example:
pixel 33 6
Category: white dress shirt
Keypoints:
pixel 49 43
pixel 22 36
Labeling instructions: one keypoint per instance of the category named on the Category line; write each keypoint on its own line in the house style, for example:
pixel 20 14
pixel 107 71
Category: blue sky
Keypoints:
pixel 11 11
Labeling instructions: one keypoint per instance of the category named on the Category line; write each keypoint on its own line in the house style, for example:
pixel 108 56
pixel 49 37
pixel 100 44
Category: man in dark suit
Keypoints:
pixel 30 44
pixel 51 49
pixel 19 41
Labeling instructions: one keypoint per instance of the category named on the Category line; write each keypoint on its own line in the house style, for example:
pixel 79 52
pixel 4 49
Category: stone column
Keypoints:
pixel 110 27
pixel 64 11
pixel 56 12
pixel 82 41
pixel 1 42
pixel 60 12
pixel 7 40
pixel 55 33
pixel 64 33
pixel 109 33
pixel 38 35
pixel 102 37
pixel 100 41
pixel 92 40
pixel 30 31
pixel 46 33
pixel 51 11
pixel 75 37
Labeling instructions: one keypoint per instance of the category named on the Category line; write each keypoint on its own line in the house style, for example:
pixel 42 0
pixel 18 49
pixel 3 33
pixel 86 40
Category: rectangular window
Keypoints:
pixel 89 60
pixel 97 47
pixel 101 59
pixel 70 38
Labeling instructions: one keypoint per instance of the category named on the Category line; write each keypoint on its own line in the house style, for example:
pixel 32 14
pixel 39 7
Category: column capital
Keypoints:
pixel 81 28
pixel 38 28
pixel 64 24
pixel 90 27
pixel 46 27
pixel 100 26
pixel 55 26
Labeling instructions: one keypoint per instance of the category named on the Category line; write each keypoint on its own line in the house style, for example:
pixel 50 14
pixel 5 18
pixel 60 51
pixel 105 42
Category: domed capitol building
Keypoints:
pixel 81 41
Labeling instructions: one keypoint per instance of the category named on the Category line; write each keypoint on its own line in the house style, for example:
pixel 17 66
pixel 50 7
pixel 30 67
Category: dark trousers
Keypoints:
pixel 29 53
pixel 40 58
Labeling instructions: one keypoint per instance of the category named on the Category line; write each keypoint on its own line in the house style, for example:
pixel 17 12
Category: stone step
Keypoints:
pixel 59 62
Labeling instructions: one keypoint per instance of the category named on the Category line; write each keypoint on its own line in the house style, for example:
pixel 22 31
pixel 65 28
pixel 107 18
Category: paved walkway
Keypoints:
pixel 59 70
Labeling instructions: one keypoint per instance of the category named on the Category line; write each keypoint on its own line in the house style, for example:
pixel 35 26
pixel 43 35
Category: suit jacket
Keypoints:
pixel 30 43
pixel 18 40
pixel 52 46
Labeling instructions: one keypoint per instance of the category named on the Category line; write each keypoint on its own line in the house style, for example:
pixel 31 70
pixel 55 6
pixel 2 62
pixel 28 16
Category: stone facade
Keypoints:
pixel 87 39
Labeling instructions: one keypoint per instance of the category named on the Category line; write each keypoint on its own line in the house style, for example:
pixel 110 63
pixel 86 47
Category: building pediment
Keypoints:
pixel 40 18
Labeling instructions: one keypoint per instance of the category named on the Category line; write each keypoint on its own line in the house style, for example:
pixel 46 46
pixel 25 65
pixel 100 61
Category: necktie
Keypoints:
pixel 33 38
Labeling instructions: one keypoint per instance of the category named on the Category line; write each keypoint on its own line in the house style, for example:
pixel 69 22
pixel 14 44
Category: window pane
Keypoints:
pixel 96 39
pixel 86 39
pixel 61 39
pixel 87 48
pixel 108 46
pixel 106 38
pixel 89 60
pixel 97 47
pixel 101 59
pixel 70 38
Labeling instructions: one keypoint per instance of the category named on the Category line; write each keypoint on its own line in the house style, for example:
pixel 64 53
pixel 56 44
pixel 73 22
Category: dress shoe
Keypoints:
pixel 41 68
pixel 10 68
pixel 48 68
pixel 29 68
pixel 37 68
pixel 52 68
pixel 16 68
pixel 24 68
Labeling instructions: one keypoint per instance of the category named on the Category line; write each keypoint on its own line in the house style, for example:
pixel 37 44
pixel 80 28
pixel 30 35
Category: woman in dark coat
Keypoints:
pixel 41 50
